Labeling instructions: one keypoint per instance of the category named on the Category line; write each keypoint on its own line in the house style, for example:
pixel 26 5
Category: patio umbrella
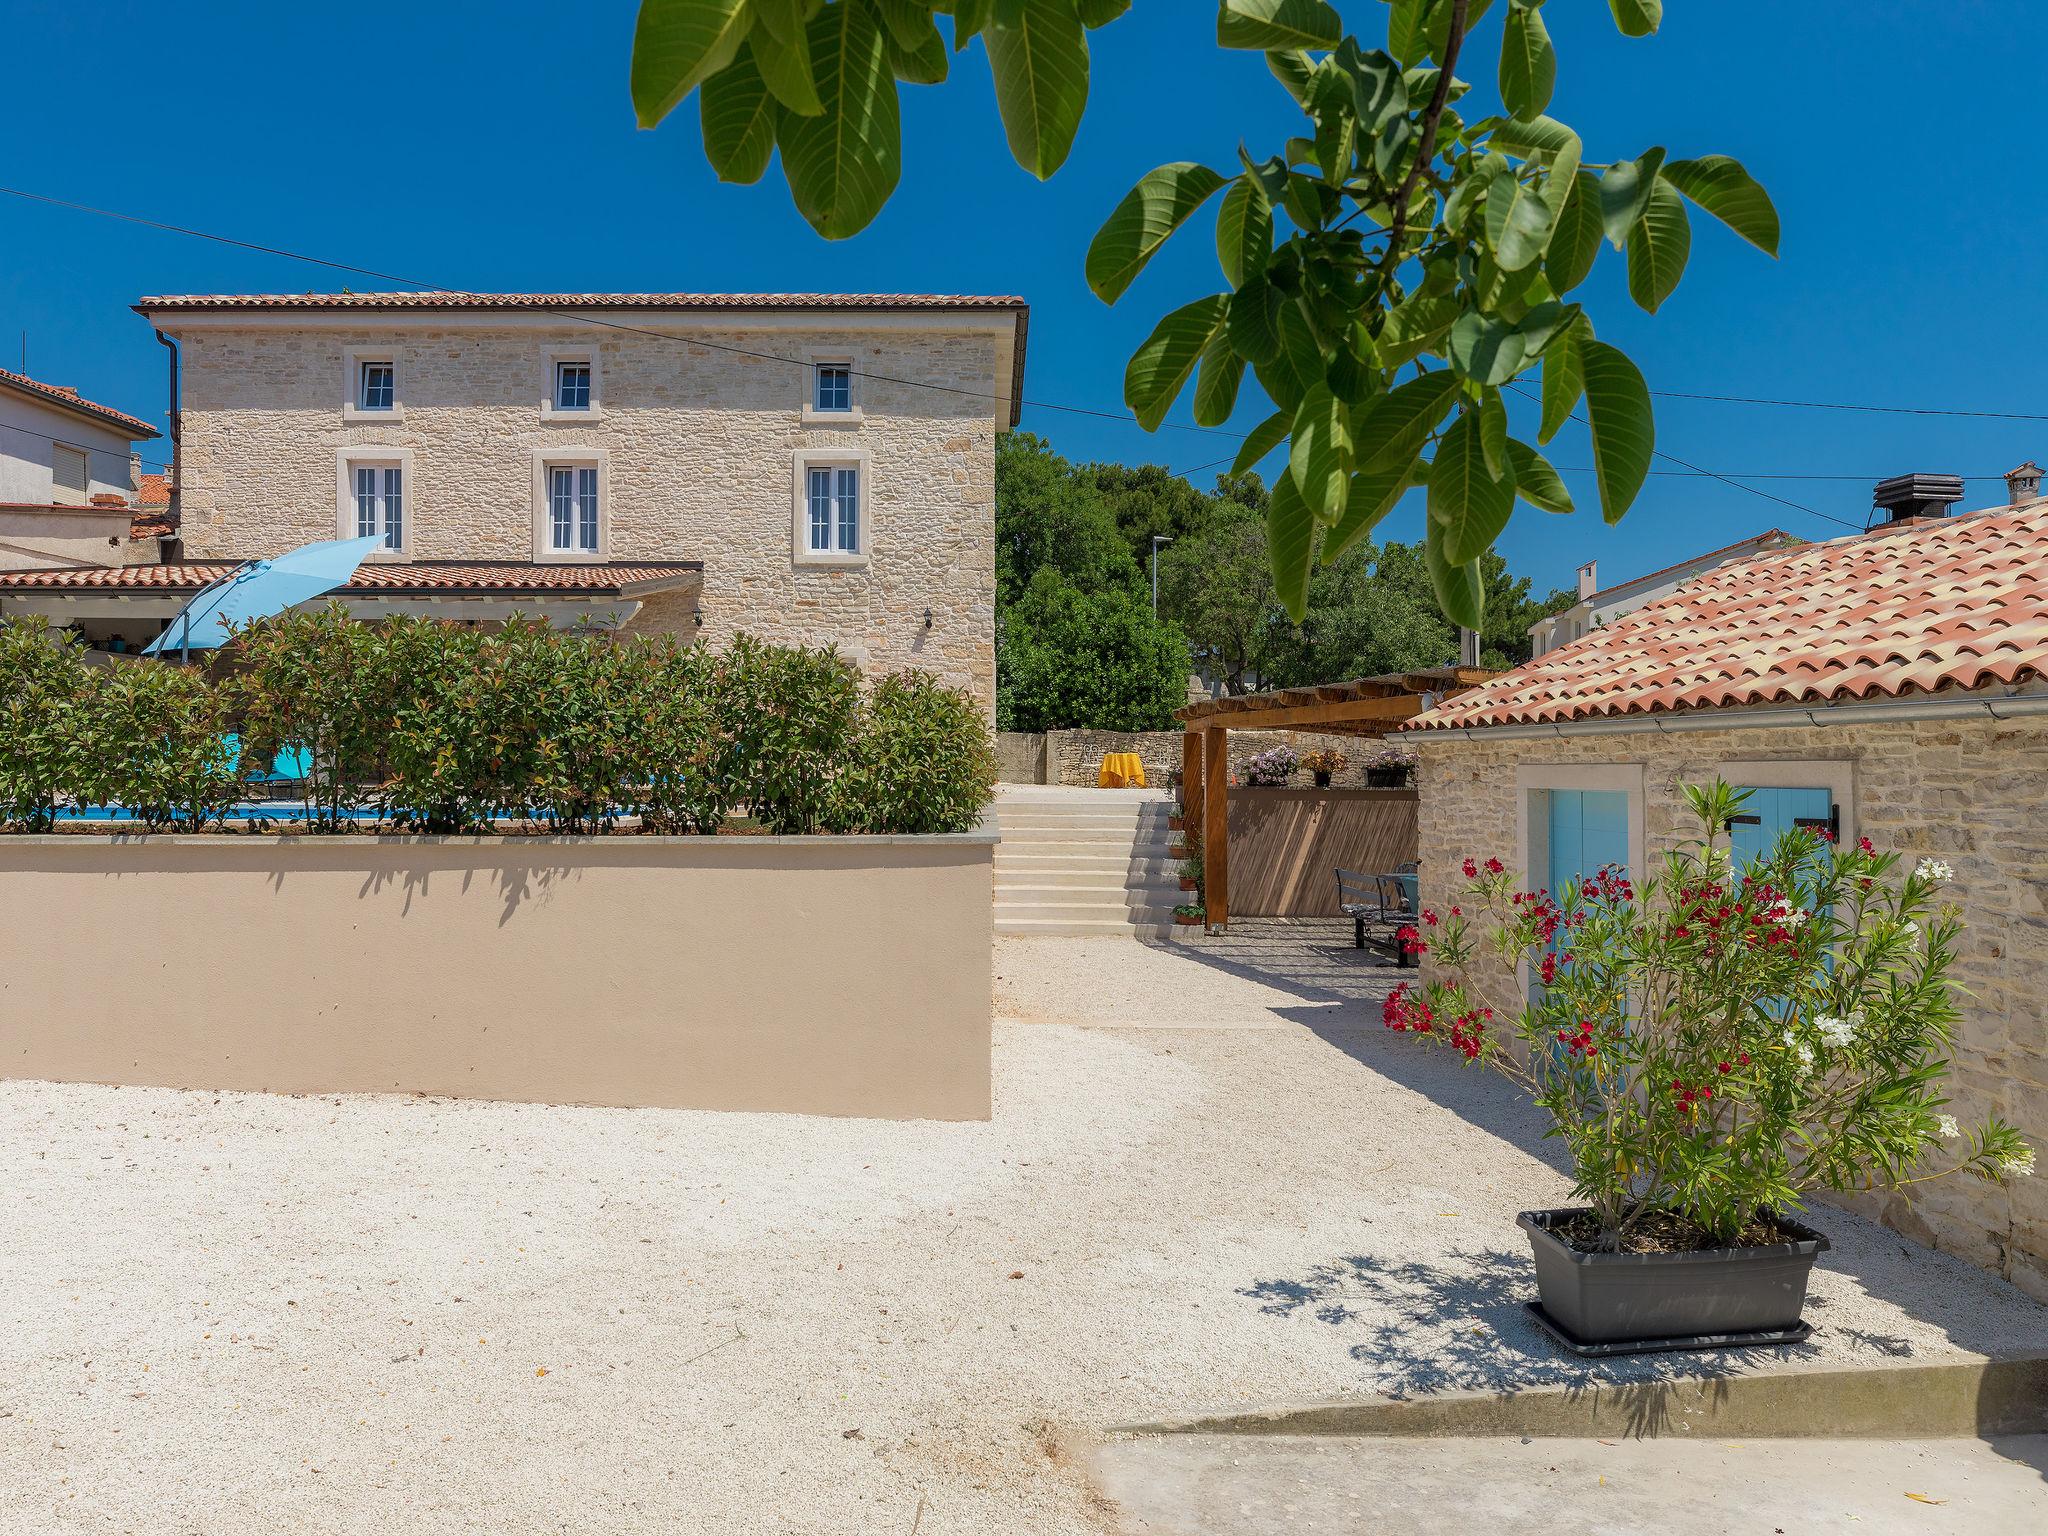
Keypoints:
pixel 261 588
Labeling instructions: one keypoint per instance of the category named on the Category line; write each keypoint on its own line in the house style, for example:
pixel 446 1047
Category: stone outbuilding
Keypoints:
pixel 1893 685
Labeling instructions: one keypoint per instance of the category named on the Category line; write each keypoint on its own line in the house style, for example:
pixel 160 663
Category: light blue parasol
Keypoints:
pixel 260 589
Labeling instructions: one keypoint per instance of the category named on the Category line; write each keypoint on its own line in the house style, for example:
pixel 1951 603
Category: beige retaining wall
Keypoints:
pixel 1971 791
pixel 836 976
pixel 1072 757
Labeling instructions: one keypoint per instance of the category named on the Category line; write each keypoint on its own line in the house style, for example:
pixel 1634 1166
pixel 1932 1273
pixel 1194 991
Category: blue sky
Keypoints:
pixel 494 147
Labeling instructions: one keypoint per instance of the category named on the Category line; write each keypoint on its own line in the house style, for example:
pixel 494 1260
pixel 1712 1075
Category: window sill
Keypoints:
pixel 832 558
pixel 355 415
pixel 842 420
pixel 555 413
pixel 570 557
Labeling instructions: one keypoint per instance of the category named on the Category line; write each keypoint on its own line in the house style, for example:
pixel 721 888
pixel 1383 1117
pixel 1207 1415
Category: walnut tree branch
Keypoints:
pixel 1397 227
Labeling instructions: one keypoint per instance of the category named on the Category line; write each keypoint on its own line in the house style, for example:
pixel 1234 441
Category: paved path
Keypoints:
pixel 1200 1485
pixel 1212 1181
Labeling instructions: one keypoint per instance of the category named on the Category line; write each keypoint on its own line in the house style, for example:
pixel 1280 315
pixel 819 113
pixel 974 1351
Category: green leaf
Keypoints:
pixel 1564 380
pixel 739 118
pixel 1159 204
pixel 1466 499
pixel 1658 247
pixel 1536 482
pixel 1268 24
pixel 1407 38
pixel 1623 427
pixel 970 19
pixel 1291 544
pixel 1415 326
pixel 1720 186
pixel 1371 497
pixel 1040 62
pixel 843 164
pixel 1528 63
pixel 1486 349
pixel 924 65
pixel 1216 387
pixel 1244 230
pixel 1637 18
pixel 1519 221
pixel 1534 137
pixel 1394 427
pixel 677 46
pixel 1460 589
pixel 1493 436
pixel 1575 242
pixel 1379 93
pixel 1625 192
pixel 1100 13
pixel 908 21
pixel 782 53
pixel 1293 69
pixel 1299 351
pixel 1159 369
pixel 1333 104
pixel 1255 321
pixel 1319 457
pixel 1265 437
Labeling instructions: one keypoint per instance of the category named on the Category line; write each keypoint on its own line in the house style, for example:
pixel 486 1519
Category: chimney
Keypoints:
pixel 1589 579
pixel 1909 499
pixel 2023 485
pixel 108 499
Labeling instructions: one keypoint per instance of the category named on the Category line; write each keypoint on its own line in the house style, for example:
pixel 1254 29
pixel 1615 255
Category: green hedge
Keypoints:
pixel 448 729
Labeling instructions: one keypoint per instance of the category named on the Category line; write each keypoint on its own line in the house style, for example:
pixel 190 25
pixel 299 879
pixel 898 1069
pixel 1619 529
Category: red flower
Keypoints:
pixel 1471 870
pixel 1429 917
pixel 1725 1068
pixel 1864 844
pixel 1494 866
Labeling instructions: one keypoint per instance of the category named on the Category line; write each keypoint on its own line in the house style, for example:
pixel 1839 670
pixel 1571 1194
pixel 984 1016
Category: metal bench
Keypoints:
pixel 1387 900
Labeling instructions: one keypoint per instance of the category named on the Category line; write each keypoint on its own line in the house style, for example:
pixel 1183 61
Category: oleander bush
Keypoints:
pixel 441 728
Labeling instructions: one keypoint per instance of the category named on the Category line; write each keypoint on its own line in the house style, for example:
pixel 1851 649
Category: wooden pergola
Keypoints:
pixel 1366 706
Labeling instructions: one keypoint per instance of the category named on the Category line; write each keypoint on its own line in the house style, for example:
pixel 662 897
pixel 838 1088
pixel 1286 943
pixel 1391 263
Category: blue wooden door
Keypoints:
pixel 1769 814
pixel 1588 831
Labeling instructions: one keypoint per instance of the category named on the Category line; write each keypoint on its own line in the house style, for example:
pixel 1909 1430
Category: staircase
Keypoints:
pixel 1079 862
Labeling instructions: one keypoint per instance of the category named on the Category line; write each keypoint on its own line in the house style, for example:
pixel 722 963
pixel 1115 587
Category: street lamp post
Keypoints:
pixel 1157 540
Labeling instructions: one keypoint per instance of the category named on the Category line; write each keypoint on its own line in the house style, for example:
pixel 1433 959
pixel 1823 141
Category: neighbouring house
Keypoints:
pixel 803 467
pixel 67 477
pixel 1597 606
pixel 1893 685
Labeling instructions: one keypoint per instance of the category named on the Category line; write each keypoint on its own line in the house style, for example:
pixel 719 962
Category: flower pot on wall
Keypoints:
pixel 1386 778
pixel 1709 1298
pixel 1187 885
pixel 1175 823
pixel 1322 781
pixel 1184 917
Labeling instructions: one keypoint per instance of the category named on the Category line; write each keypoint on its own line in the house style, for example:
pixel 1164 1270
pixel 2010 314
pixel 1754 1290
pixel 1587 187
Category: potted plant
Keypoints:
pixel 1323 762
pixel 1272 768
pixel 1709 1048
pixel 1389 768
pixel 1188 915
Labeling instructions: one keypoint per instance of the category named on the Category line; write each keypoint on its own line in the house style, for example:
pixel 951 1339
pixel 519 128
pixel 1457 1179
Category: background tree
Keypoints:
pixel 1404 229
pixel 1218 587
pixel 1097 660
pixel 1149 499
pixel 1049 515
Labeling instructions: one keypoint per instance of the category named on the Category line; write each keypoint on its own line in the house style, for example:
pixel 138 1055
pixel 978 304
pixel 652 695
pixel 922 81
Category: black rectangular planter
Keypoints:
pixel 1712 1299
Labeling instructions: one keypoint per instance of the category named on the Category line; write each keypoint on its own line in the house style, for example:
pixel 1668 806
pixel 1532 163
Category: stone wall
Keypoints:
pixel 1974 793
pixel 700 462
pixel 1020 757
pixel 1073 757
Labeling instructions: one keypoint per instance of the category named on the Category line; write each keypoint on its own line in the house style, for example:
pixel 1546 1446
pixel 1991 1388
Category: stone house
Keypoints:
pixel 67 477
pixel 1599 605
pixel 803 467
pixel 1892 685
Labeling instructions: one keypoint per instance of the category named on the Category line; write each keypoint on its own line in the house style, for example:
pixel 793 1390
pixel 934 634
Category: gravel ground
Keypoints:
pixel 239 1313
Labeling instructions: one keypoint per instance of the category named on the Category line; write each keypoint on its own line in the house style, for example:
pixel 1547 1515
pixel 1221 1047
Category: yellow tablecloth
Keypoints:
pixel 1120 770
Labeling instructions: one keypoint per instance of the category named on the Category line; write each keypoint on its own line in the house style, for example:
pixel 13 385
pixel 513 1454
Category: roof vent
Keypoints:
pixel 2022 485
pixel 1915 498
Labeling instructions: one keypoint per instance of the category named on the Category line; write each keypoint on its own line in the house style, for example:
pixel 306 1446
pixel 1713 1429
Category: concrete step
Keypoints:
pixel 1120 897
pixel 1084 853
pixel 1082 928
pixel 1084 879
pixel 1102 836
pixel 1083 911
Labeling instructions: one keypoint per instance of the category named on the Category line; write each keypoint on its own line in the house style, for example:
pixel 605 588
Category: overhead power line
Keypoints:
pixel 69 443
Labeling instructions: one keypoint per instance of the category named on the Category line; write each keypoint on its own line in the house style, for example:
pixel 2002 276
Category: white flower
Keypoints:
pixel 1786 915
pixel 1837 1032
pixel 2017 1165
pixel 1802 1051
pixel 1948 1128
pixel 1910 929
pixel 1936 870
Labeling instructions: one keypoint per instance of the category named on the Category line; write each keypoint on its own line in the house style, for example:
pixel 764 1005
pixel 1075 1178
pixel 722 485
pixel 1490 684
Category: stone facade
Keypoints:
pixel 1972 791
pixel 699 453
pixel 1072 757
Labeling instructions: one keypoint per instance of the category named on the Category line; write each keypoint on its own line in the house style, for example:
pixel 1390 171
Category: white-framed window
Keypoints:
pixel 572 386
pixel 70 475
pixel 834 507
pixel 571 504
pixel 376 386
pixel 833 388
pixel 380 502
pixel 831 391
pixel 371 389
pixel 375 497
pixel 572 509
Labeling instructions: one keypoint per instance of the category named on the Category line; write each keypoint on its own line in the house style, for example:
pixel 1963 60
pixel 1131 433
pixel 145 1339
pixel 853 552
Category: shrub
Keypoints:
pixel 319 684
pixel 922 761
pixel 570 740
pixel 684 784
pixel 1087 660
pixel 157 739
pixel 45 685
pixel 447 745
pixel 788 715
pixel 1725 1040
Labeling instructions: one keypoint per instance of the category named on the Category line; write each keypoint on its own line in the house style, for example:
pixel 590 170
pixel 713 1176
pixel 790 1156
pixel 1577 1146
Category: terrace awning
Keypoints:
pixel 1366 706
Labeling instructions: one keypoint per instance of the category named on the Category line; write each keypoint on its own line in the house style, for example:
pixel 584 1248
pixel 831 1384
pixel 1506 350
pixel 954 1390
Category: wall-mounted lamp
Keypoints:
pixel 927 618
pixel 697 618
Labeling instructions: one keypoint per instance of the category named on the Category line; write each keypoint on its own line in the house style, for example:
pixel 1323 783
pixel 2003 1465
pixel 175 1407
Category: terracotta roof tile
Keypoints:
pixel 64 397
pixel 1960 602
pixel 153 491
pixel 618 578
